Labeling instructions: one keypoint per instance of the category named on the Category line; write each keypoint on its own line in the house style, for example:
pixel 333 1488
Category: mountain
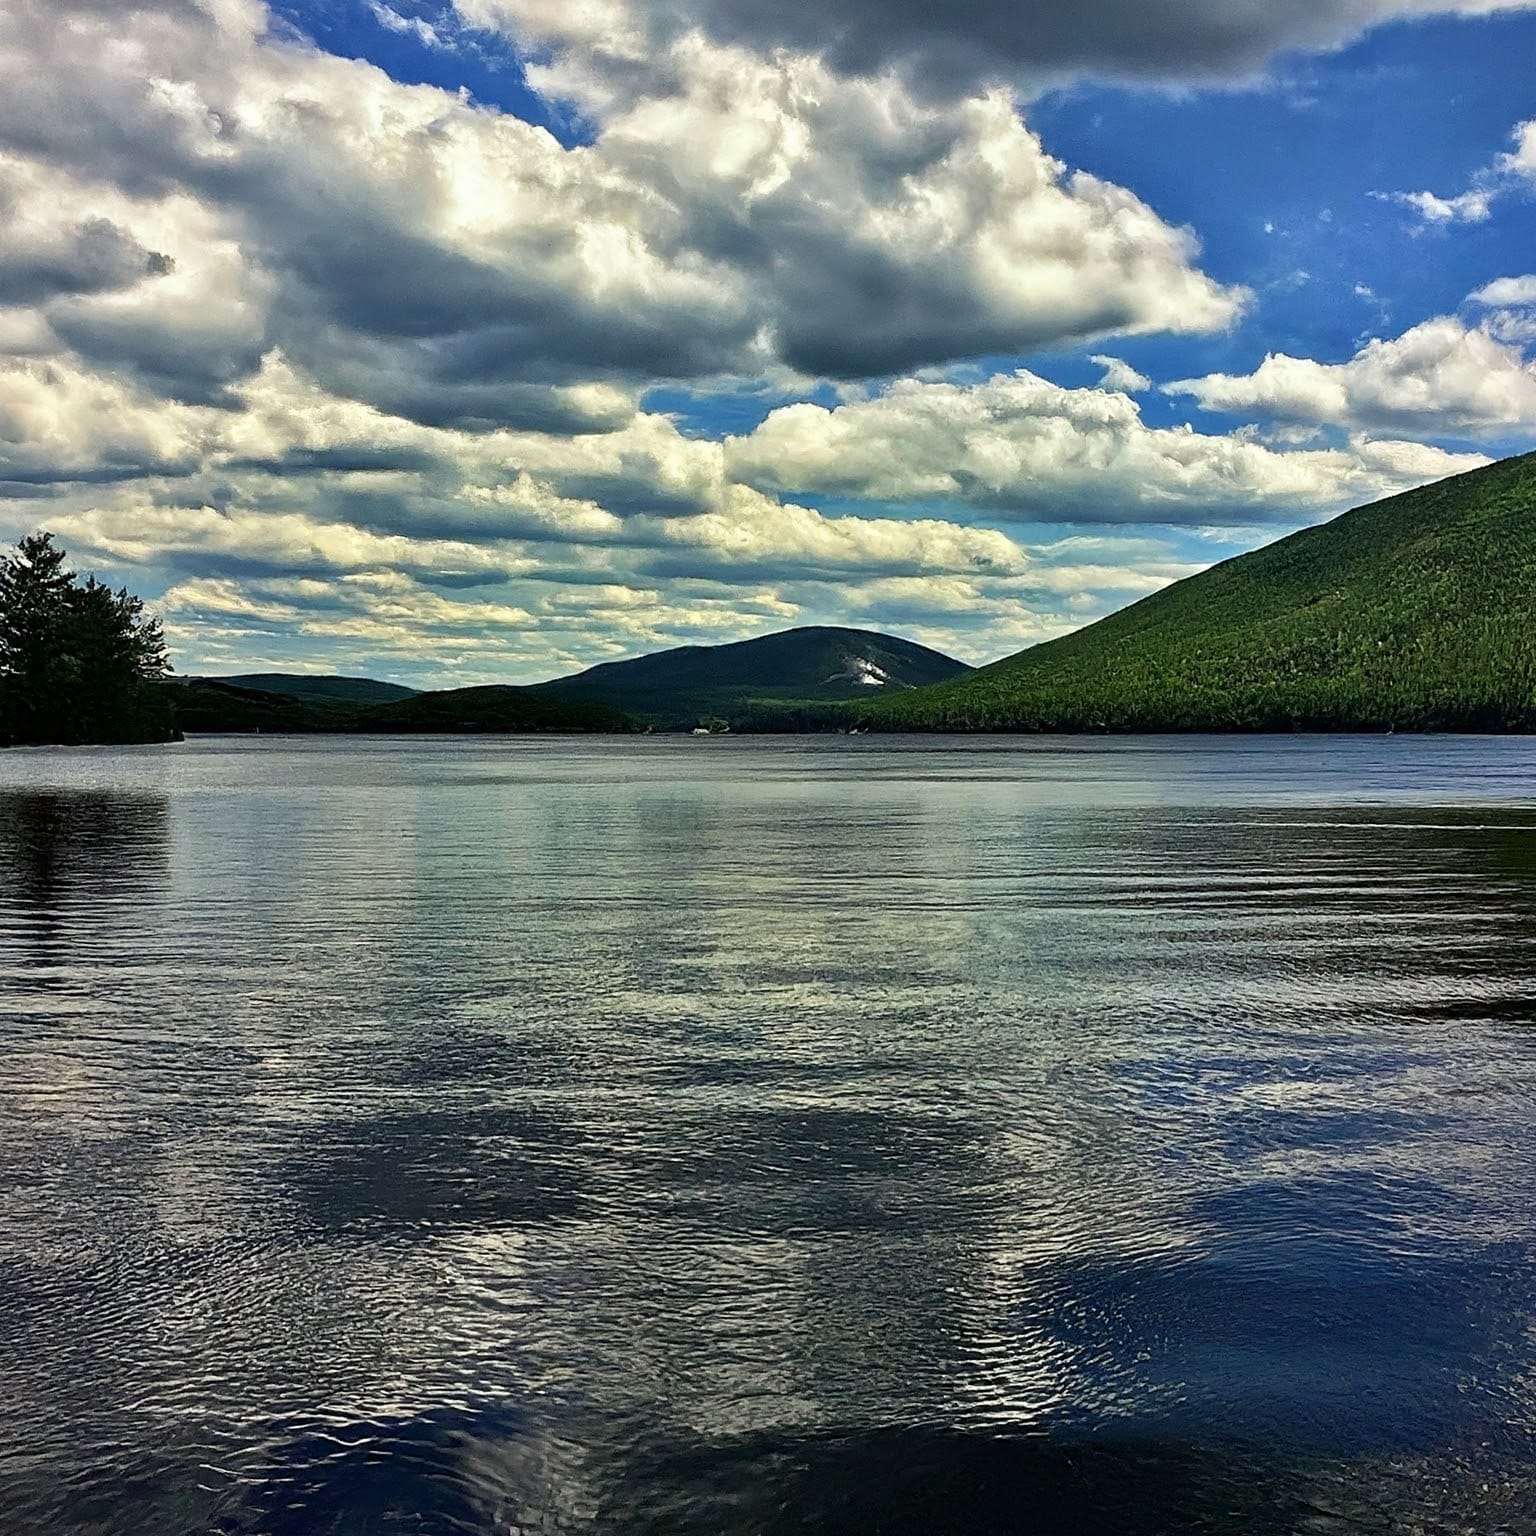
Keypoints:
pixel 319 691
pixel 796 679
pixel 1413 613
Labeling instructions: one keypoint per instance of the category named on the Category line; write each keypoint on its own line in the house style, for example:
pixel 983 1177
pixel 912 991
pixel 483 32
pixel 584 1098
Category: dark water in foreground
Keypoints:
pixel 747 1136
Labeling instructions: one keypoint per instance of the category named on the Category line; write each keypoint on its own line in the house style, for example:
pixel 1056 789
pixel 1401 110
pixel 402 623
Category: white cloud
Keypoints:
pixel 140 529
pixel 1514 171
pixel 1471 207
pixel 1521 161
pixel 1119 375
pixel 390 561
pixel 1511 310
pixel 1441 377
pixel 753 530
pixel 1507 291
pixel 60 423
pixel 455 264
pixel 1024 446
pixel 408 26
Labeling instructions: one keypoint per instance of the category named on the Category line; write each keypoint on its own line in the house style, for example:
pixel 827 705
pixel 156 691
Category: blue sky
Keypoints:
pixel 1293 187
pixel 484 341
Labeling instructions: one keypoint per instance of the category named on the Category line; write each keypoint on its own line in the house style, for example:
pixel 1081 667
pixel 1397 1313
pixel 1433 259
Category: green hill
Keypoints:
pixel 214 705
pixel 490 709
pixel 798 679
pixel 322 692
pixel 1414 613
pixel 210 704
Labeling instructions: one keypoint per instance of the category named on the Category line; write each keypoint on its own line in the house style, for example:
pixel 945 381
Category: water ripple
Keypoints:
pixel 763 1137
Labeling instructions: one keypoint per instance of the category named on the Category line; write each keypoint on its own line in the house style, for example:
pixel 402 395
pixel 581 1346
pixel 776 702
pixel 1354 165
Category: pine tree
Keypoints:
pixel 34 609
pixel 78 661
pixel 114 652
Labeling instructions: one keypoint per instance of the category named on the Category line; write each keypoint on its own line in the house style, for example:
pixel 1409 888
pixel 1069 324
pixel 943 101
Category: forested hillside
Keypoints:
pixel 1414 613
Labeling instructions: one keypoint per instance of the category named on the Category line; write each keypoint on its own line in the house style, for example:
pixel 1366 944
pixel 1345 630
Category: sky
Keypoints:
pixel 484 341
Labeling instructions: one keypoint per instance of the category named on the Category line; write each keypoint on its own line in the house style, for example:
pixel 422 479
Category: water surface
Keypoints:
pixel 765 1136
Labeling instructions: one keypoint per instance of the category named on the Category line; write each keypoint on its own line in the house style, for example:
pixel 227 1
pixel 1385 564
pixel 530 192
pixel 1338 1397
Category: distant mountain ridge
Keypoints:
pixel 800 678
pixel 1413 613
pixel 315 688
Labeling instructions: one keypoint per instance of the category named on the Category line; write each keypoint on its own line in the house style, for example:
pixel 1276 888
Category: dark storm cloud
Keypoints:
pixel 635 488
pixel 950 46
pixel 291 567
pixel 397 381
pixel 852 315
pixel 95 256
pixel 699 562
pixel 476 373
pixel 53 478
pixel 349 460
pixel 183 361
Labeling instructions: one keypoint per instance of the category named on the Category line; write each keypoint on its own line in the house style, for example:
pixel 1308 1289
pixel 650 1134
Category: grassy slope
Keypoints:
pixel 1418 613
pixel 796 679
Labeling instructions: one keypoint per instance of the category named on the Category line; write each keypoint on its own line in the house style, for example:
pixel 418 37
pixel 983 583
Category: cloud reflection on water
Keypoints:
pixel 480 1137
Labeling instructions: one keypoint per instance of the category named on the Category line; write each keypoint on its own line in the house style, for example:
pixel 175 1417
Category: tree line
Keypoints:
pixel 79 662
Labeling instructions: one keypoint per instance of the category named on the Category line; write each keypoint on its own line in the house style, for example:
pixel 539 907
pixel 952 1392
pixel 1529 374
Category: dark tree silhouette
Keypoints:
pixel 78 662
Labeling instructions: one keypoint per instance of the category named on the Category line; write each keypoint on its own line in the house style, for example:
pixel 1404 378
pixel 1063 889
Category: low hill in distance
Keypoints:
pixel 798 679
pixel 319 690
pixel 276 701
pixel 490 709
pixel 216 705
pixel 201 704
pixel 1415 613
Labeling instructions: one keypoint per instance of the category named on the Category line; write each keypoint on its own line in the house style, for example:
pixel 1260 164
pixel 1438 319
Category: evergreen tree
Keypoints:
pixel 78 661
pixel 34 609
pixel 114 653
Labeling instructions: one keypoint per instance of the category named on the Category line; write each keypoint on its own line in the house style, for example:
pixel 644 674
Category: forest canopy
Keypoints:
pixel 78 661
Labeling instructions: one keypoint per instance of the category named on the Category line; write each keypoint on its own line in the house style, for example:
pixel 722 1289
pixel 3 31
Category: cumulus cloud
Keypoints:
pixel 462 266
pixel 1440 377
pixel 386 621
pixel 1508 291
pixel 296 484
pixel 967 40
pixel 286 585
pixel 299 485
pixel 1521 161
pixel 597 585
pixel 1021 445
pixel 59 423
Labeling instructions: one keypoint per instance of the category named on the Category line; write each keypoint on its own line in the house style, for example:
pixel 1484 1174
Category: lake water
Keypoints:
pixel 739 1136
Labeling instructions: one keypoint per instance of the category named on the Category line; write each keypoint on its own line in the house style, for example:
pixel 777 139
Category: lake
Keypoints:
pixel 768 1135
